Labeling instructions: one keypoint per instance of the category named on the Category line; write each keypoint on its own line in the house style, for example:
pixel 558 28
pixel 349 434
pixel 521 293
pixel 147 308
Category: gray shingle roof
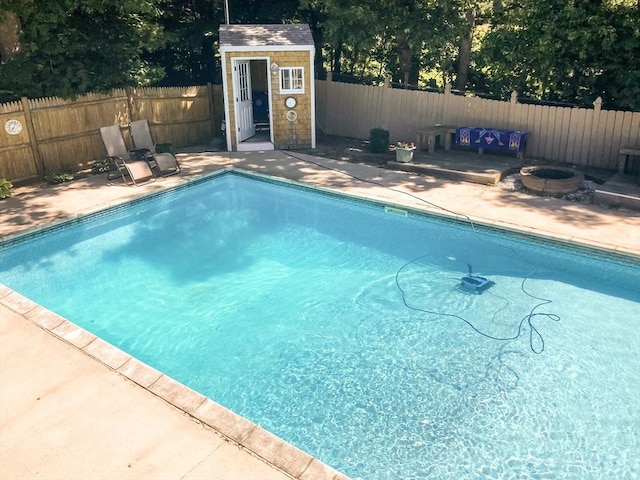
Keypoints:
pixel 265 35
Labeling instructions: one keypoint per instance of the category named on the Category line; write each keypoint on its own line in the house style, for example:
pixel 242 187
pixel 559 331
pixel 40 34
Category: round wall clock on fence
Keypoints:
pixel 13 127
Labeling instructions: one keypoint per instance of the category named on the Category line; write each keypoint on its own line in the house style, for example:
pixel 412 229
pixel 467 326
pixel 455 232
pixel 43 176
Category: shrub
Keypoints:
pixel 379 140
pixel 54 178
pixel 102 166
pixel 5 188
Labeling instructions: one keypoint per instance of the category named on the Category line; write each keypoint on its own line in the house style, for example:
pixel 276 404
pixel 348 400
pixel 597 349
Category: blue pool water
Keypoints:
pixel 343 329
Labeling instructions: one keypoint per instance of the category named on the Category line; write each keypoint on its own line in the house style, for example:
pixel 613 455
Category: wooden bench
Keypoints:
pixel 427 136
pixel 623 159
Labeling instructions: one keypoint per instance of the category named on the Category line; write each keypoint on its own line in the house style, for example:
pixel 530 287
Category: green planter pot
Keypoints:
pixel 404 155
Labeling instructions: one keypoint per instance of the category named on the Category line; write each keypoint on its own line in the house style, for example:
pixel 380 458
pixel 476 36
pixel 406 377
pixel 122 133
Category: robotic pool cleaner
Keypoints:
pixel 474 283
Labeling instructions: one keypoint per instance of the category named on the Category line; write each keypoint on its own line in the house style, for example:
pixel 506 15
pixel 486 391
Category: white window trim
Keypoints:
pixel 291 90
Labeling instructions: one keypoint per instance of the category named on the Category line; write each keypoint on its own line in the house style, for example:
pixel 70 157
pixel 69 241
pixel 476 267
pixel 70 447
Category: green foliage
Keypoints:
pixel 55 178
pixel 559 50
pixel 5 188
pixel 378 140
pixel 102 166
pixel 565 51
pixel 70 47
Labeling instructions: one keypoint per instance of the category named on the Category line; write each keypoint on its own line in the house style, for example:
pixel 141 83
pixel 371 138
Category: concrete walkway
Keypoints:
pixel 72 406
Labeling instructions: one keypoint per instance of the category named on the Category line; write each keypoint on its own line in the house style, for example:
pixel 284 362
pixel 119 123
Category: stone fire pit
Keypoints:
pixel 551 180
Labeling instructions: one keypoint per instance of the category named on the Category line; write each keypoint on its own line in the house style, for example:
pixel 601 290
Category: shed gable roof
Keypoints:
pixel 265 35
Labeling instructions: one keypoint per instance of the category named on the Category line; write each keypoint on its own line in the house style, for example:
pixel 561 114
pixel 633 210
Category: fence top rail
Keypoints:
pixel 170 92
pixel 50 102
pixel 11 107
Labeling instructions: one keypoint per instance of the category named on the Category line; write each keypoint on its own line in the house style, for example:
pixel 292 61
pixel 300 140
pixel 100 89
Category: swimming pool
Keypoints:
pixel 285 306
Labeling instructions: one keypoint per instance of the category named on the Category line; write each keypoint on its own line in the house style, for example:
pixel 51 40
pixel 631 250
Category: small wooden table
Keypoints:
pixel 623 159
pixel 428 135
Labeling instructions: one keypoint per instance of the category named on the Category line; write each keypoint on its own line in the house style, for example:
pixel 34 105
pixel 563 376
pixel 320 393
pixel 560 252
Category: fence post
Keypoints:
pixel 444 114
pixel 33 140
pixel 595 121
pixel 212 110
pixel 387 82
pixel 130 104
pixel 329 76
pixel 513 103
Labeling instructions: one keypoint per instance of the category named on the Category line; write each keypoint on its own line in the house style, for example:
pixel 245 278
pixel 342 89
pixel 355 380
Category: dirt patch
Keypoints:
pixel 348 150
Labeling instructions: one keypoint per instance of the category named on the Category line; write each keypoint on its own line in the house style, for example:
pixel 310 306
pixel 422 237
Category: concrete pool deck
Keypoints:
pixel 72 406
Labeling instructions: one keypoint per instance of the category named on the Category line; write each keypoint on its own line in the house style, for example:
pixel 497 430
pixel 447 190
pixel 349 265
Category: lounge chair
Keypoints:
pixel 166 162
pixel 126 163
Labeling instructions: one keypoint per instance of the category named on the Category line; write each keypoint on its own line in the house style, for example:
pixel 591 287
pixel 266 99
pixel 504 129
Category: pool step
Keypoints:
pixel 620 191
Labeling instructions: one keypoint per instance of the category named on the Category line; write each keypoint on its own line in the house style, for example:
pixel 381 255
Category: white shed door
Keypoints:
pixel 244 107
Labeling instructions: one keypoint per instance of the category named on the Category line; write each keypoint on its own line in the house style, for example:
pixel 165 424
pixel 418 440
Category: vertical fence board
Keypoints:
pixel 634 131
pixel 365 110
pixel 563 131
pixel 333 112
pixel 596 146
pixel 555 119
pixel 549 122
pixel 424 110
pixel 573 136
pixel 375 97
pixel 498 114
pixel 609 129
pixel 530 122
pixel 582 148
pixel 625 128
pixel 616 137
pixel 541 127
pixel 545 126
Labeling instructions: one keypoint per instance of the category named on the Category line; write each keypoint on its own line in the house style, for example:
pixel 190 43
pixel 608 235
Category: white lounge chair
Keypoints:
pixel 126 163
pixel 166 162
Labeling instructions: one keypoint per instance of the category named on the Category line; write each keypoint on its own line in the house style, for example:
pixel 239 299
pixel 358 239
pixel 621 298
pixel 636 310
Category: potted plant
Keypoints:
pixel 404 151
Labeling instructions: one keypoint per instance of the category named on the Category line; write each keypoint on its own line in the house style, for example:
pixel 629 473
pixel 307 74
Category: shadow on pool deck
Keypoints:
pixel 66 415
pixel 463 164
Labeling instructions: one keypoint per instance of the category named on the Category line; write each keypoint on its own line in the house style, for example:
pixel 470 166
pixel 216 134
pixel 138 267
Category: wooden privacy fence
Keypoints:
pixel 52 135
pixel 581 136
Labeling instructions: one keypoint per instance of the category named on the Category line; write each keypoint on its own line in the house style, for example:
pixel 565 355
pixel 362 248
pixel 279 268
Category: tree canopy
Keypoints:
pixel 70 47
pixel 553 50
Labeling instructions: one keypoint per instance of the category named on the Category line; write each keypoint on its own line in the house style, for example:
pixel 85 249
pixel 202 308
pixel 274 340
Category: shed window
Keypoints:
pixel 291 80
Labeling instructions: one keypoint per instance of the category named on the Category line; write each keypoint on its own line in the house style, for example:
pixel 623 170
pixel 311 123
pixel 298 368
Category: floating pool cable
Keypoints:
pixel 537 347
pixel 533 331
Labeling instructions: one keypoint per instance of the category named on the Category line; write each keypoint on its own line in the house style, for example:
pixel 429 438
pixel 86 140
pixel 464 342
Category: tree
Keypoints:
pixel 464 52
pixel 9 31
pixel 569 50
pixel 70 47
pixel 347 31
pixel 188 54
pixel 191 30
